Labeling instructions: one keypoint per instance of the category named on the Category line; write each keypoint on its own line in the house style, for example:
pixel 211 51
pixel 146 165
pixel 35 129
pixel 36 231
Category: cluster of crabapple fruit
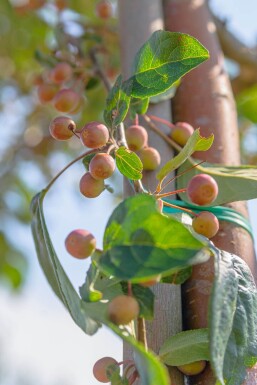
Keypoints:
pixel 137 140
pixel 104 368
pixel 202 189
pixel 54 86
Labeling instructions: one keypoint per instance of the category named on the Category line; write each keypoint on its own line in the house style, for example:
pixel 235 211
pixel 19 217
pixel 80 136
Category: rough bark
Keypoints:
pixel 205 100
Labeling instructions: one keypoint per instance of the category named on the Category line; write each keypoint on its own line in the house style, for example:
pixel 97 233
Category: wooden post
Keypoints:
pixel 138 20
pixel 205 100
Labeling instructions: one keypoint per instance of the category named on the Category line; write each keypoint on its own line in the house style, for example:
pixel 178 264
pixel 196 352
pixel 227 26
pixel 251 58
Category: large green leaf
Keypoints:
pixel 162 60
pixel 186 347
pixel 236 183
pixel 195 143
pixel 53 270
pixel 117 103
pixel 140 242
pixel 232 319
pixel 88 315
pixel 128 163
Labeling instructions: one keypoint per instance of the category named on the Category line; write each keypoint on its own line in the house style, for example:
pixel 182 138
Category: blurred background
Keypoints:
pixel 39 343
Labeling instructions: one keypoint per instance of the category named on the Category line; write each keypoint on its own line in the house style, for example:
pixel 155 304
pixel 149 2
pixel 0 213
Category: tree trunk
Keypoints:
pixel 205 100
pixel 138 20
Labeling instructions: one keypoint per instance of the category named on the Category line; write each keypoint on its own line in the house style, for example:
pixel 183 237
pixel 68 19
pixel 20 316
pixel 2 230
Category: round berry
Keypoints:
pixel 101 366
pixel 202 189
pixel 94 135
pixel 102 166
pixel 66 100
pixel 123 309
pixel 80 243
pixel 136 137
pixel 150 158
pixel 46 92
pixel 62 127
pixel 91 187
pixel 104 9
pixel 193 368
pixel 206 224
pixel 181 133
pixel 61 72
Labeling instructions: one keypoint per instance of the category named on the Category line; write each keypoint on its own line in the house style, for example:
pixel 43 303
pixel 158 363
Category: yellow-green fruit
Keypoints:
pixel 123 309
pixel 101 366
pixel 206 224
pixel 150 158
pixel 181 133
pixel 136 137
pixel 193 368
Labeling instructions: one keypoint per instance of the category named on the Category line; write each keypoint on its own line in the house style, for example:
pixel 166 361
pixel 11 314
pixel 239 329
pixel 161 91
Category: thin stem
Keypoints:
pixel 136 120
pixel 161 134
pixel 164 121
pixel 179 208
pixel 141 332
pixel 170 193
pixel 98 70
pixel 130 289
pixel 71 163
pixel 161 187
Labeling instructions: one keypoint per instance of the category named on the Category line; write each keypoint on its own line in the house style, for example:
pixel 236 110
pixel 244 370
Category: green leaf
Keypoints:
pixel 128 163
pixel 246 103
pixel 236 183
pixel 86 160
pixel 186 347
pixel 195 143
pixel 179 277
pixel 98 286
pixel 162 60
pixel 117 103
pixel 138 106
pixel 53 270
pixel 140 242
pixel 232 319
pixel 168 94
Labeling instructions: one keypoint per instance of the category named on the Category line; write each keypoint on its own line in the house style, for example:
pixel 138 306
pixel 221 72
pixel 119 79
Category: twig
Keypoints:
pixel 98 70
pixel 141 332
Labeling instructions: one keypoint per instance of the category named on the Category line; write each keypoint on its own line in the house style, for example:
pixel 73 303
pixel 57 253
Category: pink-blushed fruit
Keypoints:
pixel 91 187
pixel 61 72
pixel 123 309
pixel 80 243
pixel 202 189
pixel 46 92
pixel 206 223
pixel 62 127
pixel 66 100
pixel 104 9
pixel 101 366
pixel 102 166
pixel 181 133
pixel 193 368
pixel 94 135
pixel 136 137
pixel 150 158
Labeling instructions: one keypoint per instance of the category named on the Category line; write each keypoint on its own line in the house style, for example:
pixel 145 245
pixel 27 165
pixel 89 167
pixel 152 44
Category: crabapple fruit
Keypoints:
pixel 91 187
pixel 102 166
pixel 104 9
pixel 136 137
pixel 193 368
pixel 62 127
pixel 66 100
pixel 123 309
pixel 181 133
pixel 202 189
pixel 61 72
pixel 101 366
pixel 80 243
pixel 150 158
pixel 94 135
pixel 206 224
pixel 46 92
